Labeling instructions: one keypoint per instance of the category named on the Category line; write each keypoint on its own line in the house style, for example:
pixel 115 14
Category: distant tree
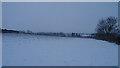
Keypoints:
pixel 107 26
pixel 0 30
pixel 73 34
pixel 30 32
pixel 22 31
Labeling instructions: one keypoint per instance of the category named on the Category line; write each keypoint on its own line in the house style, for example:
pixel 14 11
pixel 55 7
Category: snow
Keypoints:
pixel 35 50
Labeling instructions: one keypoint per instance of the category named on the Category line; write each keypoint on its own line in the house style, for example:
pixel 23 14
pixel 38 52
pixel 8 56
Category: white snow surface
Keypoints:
pixel 36 50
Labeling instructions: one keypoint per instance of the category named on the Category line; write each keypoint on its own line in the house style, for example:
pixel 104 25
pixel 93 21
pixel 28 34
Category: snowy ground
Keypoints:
pixel 34 50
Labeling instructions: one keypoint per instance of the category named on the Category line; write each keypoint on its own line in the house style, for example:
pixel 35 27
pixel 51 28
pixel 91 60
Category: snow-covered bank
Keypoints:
pixel 33 50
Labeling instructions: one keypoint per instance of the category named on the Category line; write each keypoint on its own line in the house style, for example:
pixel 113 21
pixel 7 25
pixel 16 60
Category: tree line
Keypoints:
pixel 107 29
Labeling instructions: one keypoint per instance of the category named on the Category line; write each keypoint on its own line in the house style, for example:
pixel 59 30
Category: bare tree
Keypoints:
pixel 107 26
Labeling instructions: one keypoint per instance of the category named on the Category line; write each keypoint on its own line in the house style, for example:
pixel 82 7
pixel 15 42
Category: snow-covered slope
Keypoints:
pixel 35 50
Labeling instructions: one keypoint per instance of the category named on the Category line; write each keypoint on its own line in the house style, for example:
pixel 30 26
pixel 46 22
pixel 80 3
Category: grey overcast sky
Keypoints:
pixel 81 17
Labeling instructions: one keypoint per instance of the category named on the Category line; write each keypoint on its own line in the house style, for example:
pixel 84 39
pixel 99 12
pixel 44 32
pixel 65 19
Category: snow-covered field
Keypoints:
pixel 35 50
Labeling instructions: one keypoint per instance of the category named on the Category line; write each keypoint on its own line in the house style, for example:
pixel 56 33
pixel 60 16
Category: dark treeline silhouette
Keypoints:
pixel 111 37
pixel 60 34
pixel 9 31
pixel 108 30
